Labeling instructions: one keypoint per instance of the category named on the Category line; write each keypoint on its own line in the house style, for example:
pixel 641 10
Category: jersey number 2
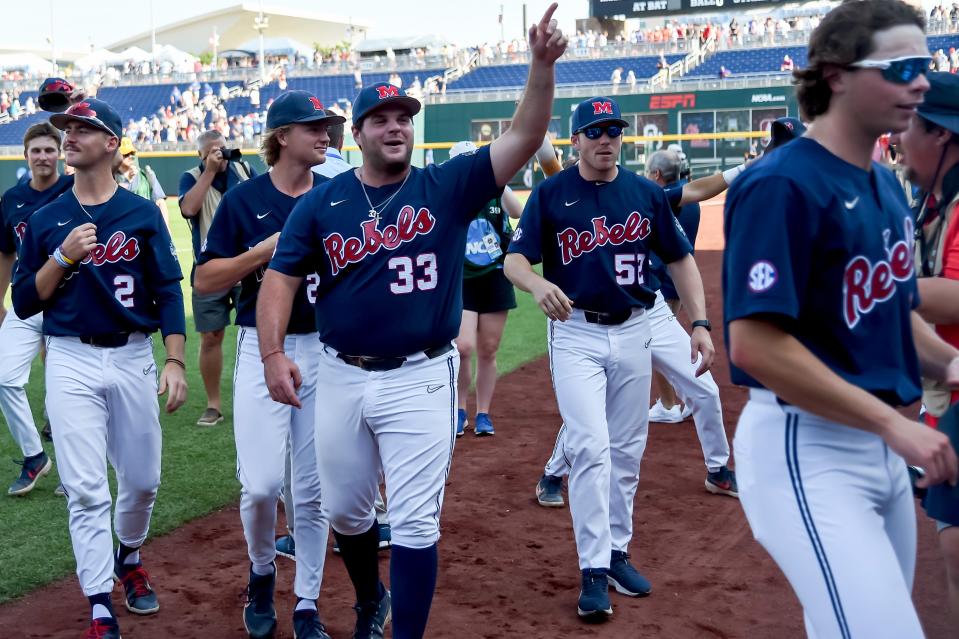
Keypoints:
pixel 629 268
pixel 124 292
pixel 406 281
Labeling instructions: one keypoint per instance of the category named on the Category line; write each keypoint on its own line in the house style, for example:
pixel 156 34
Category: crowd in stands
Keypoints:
pixel 14 107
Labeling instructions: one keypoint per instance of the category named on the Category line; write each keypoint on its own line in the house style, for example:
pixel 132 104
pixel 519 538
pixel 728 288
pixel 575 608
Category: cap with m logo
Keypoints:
pixel 378 96
pixel 595 111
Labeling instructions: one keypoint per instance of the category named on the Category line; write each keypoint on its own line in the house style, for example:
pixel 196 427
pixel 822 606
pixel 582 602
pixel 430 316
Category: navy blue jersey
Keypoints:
pixel 19 203
pixel 826 253
pixel 222 182
pixel 130 282
pixel 393 286
pixel 247 215
pixel 688 217
pixel 594 238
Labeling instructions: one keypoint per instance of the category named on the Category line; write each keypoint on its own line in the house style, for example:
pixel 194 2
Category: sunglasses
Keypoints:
pixel 596 132
pixel 897 70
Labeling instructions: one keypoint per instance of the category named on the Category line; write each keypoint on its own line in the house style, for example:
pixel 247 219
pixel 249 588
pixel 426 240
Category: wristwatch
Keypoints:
pixel 705 323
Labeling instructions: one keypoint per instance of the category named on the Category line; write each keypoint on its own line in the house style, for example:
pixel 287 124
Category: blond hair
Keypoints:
pixel 270 146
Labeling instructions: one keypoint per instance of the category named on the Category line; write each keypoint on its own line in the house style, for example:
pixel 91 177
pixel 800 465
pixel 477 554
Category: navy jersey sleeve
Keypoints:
pixel 767 272
pixel 164 274
pixel 187 182
pixel 8 243
pixel 299 244
pixel 669 240
pixel 467 179
pixel 26 300
pixel 223 237
pixel 674 195
pixel 527 239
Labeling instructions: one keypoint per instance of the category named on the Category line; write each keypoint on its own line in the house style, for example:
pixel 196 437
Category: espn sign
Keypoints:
pixel 672 101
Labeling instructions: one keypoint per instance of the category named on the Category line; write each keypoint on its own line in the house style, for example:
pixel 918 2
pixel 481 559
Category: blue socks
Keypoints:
pixel 412 582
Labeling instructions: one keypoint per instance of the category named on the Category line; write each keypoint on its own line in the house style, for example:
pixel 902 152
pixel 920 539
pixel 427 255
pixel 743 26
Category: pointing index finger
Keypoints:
pixel 544 23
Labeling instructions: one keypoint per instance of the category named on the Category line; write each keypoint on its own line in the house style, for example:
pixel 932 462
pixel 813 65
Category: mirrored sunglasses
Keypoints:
pixel 596 132
pixel 897 70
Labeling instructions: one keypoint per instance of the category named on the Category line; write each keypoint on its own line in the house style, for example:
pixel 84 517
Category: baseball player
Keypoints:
pixel 21 340
pixel 820 322
pixel 593 226
pixel 929 149
pixel 487 299
pixel 238 247
pixel 100 264
pixel 387 242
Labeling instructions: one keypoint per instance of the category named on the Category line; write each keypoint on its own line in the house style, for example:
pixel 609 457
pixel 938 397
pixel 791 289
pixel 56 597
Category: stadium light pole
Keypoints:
pixel 261 22
pixel 53 46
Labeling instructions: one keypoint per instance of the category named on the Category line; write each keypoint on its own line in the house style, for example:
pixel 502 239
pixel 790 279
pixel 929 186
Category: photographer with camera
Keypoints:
pixel 201 189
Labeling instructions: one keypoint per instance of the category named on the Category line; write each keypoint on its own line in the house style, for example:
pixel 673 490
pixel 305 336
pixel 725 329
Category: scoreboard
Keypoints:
pixel 642 8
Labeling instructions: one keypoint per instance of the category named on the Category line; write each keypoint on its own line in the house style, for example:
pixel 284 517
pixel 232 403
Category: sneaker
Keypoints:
pixel 594 597
pixel 372 617
pixel 103 628
pixel 549 492
pixel 47 432
pixel 210 417
pixel 722 482
pixel 307 625
pixel 32 469
pixel 461 423
pixel 386 536
pixel 286 547
pixel 59 491
pixel 662 415
pixel 140 599
pixel 484 425
pixel 259 615
pixel 624 578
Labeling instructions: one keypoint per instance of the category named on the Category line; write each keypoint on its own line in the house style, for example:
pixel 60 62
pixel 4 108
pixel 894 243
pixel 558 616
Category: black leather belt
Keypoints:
pixel 380 364
pixel 608 319
pixel 110 340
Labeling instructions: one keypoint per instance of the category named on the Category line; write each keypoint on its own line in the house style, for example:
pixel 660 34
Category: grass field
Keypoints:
pixel 199 465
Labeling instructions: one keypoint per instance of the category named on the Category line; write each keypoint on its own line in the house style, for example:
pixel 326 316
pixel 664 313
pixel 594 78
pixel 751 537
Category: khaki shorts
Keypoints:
pixel 212 312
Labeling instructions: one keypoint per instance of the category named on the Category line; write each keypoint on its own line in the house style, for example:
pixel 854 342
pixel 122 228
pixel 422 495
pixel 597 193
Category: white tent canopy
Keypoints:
pixel 29 62
pixel 95 59
pixel 131 54
pixel 278 46
pixel 169 53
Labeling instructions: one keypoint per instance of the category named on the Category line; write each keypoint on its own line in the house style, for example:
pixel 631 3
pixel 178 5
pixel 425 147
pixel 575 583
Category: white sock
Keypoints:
pixel 262 569
pixel 305 604
pixel 99 611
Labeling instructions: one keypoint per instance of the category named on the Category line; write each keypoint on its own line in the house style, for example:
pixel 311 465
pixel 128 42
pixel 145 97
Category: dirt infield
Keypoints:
pixel 508 567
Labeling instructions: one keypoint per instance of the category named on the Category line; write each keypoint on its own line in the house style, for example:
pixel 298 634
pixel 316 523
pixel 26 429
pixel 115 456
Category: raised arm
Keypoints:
pixel 513 149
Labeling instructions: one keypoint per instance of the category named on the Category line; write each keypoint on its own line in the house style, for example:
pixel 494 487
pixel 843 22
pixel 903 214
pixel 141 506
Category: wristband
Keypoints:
pixel 62 260
pixel 173 360
pixel 730 174
pixel 271 354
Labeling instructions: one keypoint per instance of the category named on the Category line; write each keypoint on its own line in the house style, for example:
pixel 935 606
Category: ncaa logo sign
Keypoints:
pixel 762 276
pixel 600 108
pixel 387 91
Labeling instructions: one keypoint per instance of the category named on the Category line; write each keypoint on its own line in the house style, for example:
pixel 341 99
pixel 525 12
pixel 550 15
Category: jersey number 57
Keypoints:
pixel 629 268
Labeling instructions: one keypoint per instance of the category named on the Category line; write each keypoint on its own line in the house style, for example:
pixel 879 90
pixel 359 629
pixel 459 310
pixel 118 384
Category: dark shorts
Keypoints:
pixel 212 312
pixel 490 293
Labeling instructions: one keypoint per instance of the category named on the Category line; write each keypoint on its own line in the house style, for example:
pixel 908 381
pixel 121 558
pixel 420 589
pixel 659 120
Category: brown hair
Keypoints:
pixel 845 36
pixel 41 130
pixel 335 131
pixel 270 146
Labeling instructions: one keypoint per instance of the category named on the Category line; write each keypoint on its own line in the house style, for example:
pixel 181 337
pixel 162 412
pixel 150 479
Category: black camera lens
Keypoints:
pixel 231 155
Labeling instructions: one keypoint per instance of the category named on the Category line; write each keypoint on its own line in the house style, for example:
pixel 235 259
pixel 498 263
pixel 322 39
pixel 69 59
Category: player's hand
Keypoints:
pixel 283 378
pixel 80 242
pixel 214 162
pixel 927 448
pixel 173 379
pixel 264 248
pixel 546 41
pixel 701 344
pixel 552 300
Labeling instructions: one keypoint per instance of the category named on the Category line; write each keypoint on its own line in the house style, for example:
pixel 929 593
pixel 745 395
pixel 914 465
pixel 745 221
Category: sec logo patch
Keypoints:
pixel 762 276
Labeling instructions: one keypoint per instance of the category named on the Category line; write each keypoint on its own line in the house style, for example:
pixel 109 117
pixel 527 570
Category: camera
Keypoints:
pixel 231 155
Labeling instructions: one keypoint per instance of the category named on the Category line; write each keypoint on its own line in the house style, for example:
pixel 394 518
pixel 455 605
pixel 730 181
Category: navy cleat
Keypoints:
pixel 484 425
pixel 372 617
pixel 103 628
pixel 624 578
pixel 32 469
pixel 286 547
pixel 722 482
pixel 549 492
pixel 138 594
pixel 259 615
pixel 461 423
pixel 594 597
pixel 386 536
pixel 307 625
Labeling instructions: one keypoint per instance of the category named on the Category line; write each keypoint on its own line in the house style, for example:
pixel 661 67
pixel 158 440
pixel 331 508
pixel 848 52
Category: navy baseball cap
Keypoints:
pixel 783 130
pixel 379 95
pixel 295 107
pixel 941 104
pixel 93 112
pixel 55 95
pixel 598 110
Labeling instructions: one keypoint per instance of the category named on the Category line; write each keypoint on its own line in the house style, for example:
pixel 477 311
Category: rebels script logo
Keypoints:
pixel 117 248
pixel 573 243
pixel 343 252
pixel 866 284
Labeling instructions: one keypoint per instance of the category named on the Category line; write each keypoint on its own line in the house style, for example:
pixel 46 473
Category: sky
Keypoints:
pixel 78 25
